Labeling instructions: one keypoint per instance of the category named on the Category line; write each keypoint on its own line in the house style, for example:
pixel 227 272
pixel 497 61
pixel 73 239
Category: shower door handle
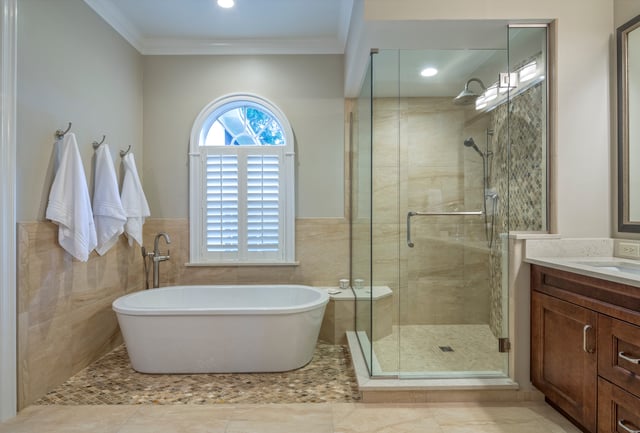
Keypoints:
pixel 435 213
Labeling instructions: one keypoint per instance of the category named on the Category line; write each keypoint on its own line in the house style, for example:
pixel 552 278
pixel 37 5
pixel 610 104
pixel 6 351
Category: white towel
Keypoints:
pixel 108 212
pixel 69 203
pixel 133 200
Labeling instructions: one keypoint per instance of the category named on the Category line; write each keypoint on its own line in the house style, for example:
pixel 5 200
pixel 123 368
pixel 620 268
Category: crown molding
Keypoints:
pixel 118 21
pixel 241 46
pixel 344 23
pixel 254 46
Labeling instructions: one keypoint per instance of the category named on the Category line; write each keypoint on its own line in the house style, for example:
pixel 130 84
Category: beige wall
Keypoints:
pixel 624 10
pixel 584 31
pixel 72 67
pixel 308 89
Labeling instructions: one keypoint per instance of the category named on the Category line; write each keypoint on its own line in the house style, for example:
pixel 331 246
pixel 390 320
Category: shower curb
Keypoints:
pixel 394 390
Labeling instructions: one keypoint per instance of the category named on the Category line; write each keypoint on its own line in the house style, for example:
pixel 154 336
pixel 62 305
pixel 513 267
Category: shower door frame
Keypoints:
pixel 8 279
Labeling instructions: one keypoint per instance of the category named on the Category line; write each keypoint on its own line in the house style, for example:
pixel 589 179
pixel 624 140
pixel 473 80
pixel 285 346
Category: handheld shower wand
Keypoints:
pixel 487 193
pixel 469 142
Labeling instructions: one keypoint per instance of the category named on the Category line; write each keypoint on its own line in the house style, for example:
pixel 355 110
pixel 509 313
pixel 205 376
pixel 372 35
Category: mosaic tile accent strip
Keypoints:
pixel 329 377
pixel 519 174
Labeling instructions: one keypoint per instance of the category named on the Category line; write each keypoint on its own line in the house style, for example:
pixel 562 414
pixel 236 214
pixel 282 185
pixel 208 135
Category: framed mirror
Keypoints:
pixel 628 43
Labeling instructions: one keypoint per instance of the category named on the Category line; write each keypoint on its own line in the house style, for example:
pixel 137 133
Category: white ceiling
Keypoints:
pixel 397 72
pixel 460 50
pixel 251 27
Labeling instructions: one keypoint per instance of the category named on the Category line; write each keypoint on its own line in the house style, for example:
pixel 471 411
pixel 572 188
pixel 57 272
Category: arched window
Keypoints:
pixel 241 182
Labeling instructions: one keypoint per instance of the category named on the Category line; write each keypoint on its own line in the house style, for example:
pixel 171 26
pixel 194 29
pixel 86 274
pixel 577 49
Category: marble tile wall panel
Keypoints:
pixel 322 250
pixel 430 140
pixel 327 329
pixel 420 163
pixel 65 320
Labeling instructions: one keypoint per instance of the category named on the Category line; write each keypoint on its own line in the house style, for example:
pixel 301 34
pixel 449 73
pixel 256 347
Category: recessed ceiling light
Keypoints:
pixel 226 3
pixel 428 72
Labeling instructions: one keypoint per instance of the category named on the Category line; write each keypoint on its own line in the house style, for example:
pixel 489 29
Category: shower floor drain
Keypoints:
pixel 446 348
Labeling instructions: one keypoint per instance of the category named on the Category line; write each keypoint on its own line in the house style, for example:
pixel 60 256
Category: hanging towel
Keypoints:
pixel 69 203
pixel 108 212
pixel 133 200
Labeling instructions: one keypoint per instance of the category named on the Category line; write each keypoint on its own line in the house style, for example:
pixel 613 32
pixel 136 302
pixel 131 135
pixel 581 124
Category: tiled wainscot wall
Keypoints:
pixel 64 306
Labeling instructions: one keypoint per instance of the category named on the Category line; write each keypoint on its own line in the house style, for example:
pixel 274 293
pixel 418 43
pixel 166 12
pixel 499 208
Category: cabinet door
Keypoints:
pixel 563 356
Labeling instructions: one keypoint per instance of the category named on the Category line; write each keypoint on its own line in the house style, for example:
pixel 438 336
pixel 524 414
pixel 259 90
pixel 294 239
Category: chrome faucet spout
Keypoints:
pixel 157 257
pixel 167 240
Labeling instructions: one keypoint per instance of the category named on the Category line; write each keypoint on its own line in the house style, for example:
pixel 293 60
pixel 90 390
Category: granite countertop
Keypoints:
pixel 603 267
pixel 603 258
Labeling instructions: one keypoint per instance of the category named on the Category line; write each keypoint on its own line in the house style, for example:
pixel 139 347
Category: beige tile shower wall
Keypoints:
pixel 322 250
pixel 444 286
pixel 65 320
pixel 429 170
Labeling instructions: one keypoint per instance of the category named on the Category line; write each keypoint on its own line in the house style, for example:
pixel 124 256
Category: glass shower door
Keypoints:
pixel 451 285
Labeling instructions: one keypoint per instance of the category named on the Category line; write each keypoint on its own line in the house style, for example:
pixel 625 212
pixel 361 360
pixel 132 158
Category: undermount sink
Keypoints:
pixel 614 266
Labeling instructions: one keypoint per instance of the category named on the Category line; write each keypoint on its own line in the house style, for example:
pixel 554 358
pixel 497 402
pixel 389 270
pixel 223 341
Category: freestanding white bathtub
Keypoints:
pixel 221 329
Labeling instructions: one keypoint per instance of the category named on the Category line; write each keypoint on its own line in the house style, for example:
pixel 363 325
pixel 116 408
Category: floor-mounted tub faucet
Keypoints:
pixel 156 258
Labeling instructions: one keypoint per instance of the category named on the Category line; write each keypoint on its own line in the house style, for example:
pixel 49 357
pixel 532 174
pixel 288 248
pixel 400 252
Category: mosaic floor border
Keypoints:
pixel 329 377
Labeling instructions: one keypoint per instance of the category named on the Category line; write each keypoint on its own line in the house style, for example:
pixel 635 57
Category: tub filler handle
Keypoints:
pixel 456 213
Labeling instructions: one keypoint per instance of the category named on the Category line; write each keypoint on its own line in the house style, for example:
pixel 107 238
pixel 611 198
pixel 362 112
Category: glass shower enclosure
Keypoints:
pixel 443 168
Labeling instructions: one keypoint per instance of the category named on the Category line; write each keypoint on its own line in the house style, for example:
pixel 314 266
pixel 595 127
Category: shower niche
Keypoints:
pixel 444 167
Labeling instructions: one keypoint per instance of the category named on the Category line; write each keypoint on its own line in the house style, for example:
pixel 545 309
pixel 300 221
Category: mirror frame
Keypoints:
pixel 625 224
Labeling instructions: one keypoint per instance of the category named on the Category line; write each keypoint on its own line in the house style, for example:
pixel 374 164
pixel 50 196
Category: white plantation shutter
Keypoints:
pixel 221 210
pixel 241 183
pixel 263 203
pixel 242 209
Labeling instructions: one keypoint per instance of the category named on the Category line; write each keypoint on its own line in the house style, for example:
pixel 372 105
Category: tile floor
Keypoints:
pixel 329 377
pixel 326 401
pixel 529 417
pixel 473 348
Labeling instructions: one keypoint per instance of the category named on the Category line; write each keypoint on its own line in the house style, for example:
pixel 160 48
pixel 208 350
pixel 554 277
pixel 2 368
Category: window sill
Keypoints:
pixel 238 264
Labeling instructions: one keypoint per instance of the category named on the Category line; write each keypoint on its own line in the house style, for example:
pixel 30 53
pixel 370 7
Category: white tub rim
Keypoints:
pixel 120 305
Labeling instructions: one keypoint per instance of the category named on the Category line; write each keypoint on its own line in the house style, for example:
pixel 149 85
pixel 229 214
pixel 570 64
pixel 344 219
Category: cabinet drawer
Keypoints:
pixel 618 411
pixel 619 353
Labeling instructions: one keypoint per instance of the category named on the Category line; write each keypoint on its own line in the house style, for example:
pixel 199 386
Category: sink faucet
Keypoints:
pixel 157 257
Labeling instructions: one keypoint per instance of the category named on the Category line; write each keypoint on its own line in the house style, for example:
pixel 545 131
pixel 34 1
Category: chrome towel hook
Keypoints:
pixel 60 133
pixel 96 144
pixel 124 152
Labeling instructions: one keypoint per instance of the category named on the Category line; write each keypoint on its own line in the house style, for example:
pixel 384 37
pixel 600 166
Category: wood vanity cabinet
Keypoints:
pixel 585 348
pixel 560 366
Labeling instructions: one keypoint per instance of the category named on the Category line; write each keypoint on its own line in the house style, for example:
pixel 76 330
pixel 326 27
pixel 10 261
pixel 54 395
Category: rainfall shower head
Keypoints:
pixel 470 143
pixel 468 96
